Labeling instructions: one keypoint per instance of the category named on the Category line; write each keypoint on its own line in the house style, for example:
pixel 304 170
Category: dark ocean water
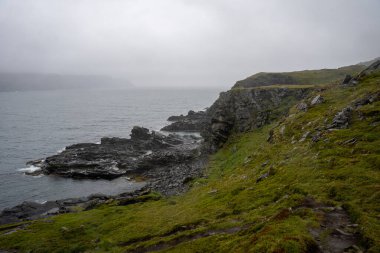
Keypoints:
pixel 36 124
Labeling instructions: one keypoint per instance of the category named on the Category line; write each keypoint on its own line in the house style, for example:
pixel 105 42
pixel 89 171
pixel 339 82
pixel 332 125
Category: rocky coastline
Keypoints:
pixel 166 161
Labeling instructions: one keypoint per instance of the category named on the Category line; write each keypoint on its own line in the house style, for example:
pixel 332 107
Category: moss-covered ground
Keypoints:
pixel 228 210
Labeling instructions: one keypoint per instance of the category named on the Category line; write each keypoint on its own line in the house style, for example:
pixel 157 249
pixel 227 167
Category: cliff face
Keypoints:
pixel 241 110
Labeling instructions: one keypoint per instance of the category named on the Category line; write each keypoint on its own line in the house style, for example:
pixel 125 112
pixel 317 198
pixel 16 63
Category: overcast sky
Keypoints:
pixel 185 42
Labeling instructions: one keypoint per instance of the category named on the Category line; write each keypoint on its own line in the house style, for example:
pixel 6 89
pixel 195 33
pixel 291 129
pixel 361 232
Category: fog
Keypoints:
pixel 185 43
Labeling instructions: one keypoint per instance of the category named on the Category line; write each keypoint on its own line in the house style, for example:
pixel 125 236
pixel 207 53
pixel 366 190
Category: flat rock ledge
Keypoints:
pixel 165 162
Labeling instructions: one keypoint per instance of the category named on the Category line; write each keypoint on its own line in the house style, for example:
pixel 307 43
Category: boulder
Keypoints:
pixel 317 100
pixel 192 122
pixel 342 119
pixel 302 106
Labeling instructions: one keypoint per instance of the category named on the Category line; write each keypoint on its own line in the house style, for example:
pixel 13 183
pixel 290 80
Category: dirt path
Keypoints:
pixel 336 232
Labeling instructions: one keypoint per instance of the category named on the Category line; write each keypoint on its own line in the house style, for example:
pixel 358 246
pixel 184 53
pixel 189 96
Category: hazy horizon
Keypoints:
pixel 185 43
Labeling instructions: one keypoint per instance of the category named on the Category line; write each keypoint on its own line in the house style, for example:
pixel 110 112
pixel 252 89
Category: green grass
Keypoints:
pixel 305 77
pixel 229 197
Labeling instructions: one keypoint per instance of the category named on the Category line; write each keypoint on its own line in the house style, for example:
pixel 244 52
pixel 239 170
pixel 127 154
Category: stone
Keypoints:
pixel 238 111
pixel 192 122
pixel 317 136
pixel 304 136
pixel 317 100
pixel 342 119
pixel 140 133
pixel 302 106
pixel 262 177
pixel 270 137
pixel 346 80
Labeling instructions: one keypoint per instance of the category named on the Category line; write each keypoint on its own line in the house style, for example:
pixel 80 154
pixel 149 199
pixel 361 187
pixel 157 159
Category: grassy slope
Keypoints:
pixel 304 77
pixel 229 199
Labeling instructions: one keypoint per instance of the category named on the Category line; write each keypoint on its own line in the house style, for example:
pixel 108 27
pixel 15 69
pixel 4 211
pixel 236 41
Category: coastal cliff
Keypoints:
pixel 295 169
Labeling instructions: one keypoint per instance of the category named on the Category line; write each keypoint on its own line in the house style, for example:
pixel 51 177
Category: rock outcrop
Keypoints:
pixel 150 155
pixel 192 122
pixel 241 110
pixel 371 69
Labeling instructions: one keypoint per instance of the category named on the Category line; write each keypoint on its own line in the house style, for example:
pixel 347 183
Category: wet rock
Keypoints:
pixel 115 157
pixel 140 133
pixel 317 100
pixel 192 122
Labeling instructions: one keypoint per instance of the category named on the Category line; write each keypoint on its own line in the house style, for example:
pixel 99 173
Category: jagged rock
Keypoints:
pixel 317 100
pixel 342 119
pixel 140 133
pixel 346 80
pixel 374 67
pixel 151 155
pixel 368 99
pixel 192 122
pixel 241 110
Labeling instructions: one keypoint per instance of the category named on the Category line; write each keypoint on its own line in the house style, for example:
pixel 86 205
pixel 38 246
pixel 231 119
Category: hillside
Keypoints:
pixel 307 180
pixel 305 77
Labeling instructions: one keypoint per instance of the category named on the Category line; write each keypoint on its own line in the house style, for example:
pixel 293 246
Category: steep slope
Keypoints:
pixel 307 182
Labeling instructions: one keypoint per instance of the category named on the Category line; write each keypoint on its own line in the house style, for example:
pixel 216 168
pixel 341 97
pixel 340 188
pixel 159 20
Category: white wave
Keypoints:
pixel 61 150
pixel 114 167
pixel 40 201
pixel 31 168
pixel 98 142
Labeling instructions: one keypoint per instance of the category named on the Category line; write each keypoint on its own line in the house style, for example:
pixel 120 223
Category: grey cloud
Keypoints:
pixel 185 42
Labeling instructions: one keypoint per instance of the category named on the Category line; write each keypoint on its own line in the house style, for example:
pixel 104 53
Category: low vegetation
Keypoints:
pixel 304 77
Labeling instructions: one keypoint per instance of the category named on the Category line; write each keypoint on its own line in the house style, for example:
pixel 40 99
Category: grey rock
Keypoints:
pixel 302 106
pixel 342 119
pixel 317 100
pixel 304 136
pixel 241 110
pixel 373 68
pixel 317 136
pixel 346 80
pixel 192 122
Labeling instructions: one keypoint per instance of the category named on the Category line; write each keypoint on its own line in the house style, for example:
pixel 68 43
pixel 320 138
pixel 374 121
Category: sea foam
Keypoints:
pixel 31 168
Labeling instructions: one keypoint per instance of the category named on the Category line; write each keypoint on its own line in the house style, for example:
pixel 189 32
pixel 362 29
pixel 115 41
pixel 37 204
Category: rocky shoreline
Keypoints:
pixel 166 162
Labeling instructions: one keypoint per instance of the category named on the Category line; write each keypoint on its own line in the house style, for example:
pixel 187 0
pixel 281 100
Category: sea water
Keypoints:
pixel 37 124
